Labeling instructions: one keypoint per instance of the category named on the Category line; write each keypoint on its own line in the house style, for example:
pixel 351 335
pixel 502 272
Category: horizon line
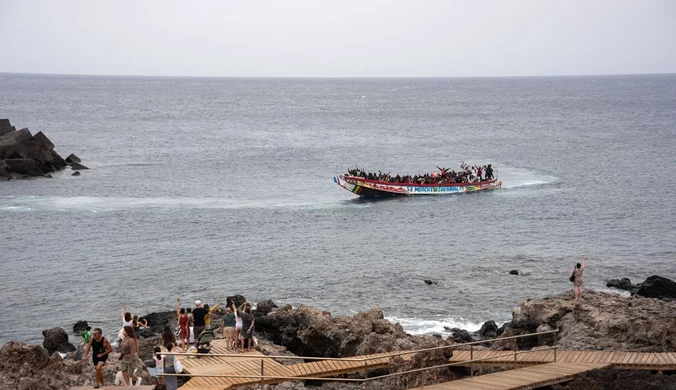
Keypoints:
pixel 337 77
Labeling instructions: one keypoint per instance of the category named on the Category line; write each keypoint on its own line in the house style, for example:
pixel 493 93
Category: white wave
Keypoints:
pixel 417 326
pixel 93 203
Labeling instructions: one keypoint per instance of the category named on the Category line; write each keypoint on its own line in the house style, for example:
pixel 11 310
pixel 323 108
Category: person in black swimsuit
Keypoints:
pixel 100 349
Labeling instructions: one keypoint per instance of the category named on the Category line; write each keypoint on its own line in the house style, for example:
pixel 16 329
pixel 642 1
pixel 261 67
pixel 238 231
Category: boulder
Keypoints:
pixel 621 284
pixel 460 335
pixel 308 331
pixel 5 126
pixel 43 141
pixel 157 321
pixel 489 330
pixel 656 287
pixel 59 162
pixel 77 166
pixel 76 173
pixel 79 327
pixel 428 281
pixel 146 333
pixel 14 354
pixel 514 272
pixel 56 340
pixel 264 307
pixel 26 167
pixel 236 299
pixel 73 159
pixel 15 137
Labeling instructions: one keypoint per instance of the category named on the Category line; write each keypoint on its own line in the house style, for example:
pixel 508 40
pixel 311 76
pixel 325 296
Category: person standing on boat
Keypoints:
pixel 479 172
pixel 578 281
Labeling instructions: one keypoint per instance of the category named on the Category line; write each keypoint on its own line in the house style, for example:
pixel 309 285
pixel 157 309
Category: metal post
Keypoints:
pixel 471 357
pixel 366 376
pixel 262 372
pixel 423 374
pixel 555 354
pixel 515 357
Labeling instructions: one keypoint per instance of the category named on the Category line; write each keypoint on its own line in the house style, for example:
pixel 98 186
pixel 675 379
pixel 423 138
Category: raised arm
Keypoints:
pixel 213 309
pixel 178 307
pixel 124 311
pixel 584 266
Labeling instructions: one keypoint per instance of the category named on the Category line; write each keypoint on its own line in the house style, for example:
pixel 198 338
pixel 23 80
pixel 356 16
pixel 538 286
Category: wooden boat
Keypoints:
pixel 380 189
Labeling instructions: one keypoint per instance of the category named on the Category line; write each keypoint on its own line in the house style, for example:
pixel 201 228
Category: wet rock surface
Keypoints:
pixel 656 287
pixel 620 284
pixel 56 340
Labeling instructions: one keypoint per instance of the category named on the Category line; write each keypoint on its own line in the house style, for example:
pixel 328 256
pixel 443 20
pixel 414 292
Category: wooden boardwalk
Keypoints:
pixel 522 378
pixel 249 364
pixel 628 360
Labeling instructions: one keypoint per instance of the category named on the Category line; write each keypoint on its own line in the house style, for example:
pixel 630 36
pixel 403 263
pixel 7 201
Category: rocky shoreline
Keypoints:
pixel 600 321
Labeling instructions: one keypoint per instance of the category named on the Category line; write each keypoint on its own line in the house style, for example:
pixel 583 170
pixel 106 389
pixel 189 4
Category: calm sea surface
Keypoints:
pixel 203 188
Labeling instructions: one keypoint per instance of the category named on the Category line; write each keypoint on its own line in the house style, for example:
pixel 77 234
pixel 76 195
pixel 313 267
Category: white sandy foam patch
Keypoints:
pixel 418 326
pixel 515 177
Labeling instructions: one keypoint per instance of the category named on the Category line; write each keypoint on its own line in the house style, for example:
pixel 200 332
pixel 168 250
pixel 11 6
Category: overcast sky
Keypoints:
pixel 338 38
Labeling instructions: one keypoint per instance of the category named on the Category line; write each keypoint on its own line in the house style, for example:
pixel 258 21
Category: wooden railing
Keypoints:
pixel 263 378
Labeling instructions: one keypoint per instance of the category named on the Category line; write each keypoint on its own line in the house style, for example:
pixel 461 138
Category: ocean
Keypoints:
pixel 202 188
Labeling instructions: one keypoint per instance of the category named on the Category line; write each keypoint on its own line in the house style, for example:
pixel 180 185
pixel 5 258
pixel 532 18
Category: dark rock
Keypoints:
pixel 76 173
pixel 236 299
pixel 427 281
pixel 656 287
pixel 5 126
pixel 157 321
pixel 43 141
pixel 59 162
pixel 56 340
pixel 621 284
pixel 146 333
pixel 437 335
pixel 514 272
pixel 24 166
pixel 73 159
pixel 15 138
pixel 77 166
pixel 460 335
pixel 489 330
pixel 265 307
pixel 79 327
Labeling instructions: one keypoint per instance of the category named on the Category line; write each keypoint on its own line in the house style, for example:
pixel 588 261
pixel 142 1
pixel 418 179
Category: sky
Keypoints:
pixel 338 38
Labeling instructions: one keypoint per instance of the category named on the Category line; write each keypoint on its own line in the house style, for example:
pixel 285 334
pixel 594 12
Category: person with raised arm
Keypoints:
pixel 184 331
pixel 238 322
pixel 577 278
pixel 100 348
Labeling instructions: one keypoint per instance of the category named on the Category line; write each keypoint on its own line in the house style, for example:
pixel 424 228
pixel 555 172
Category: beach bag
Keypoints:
pixel 572 277
pixel 178 366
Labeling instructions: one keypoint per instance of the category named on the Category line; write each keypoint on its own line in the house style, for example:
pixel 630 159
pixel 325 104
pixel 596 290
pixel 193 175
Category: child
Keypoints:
pixel 159 366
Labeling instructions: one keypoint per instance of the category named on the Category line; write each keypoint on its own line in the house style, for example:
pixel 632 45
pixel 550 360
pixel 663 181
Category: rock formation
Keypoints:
pixel 656 287
pixel 24 155
pixel 599 321
pixel 617 379
pixel 621 284
pixel 56 340
pixel 308 331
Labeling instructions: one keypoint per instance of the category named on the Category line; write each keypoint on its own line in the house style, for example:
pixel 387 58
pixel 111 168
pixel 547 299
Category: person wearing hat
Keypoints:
pixel 198 315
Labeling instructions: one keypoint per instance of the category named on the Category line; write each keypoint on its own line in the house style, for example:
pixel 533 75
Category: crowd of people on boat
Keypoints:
pixel 466 174
pixel 193 327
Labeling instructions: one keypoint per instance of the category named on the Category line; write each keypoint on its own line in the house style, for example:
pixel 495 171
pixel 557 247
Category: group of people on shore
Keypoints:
pixel 193 322
pixel 238 324
pixel 466 174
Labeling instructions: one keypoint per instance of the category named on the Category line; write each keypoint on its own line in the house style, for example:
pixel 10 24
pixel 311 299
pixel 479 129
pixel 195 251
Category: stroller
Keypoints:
pixel 204 341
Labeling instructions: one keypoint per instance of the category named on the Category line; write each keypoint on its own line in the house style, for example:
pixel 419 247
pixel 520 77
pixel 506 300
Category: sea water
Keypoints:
pixel 207 187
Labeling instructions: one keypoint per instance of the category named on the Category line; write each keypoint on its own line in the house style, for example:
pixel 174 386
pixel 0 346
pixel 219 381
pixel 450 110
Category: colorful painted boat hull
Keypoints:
pixel 374 189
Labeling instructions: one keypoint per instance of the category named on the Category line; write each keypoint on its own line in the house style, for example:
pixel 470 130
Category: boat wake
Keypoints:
pixel 518 178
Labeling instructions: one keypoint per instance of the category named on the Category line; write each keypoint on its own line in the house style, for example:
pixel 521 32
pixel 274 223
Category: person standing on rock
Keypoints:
pixel 198 315
pixel 247 329
pixel 100 349
pixel 229 322
pixel 130 356
pixel 578 281
pixel 183 325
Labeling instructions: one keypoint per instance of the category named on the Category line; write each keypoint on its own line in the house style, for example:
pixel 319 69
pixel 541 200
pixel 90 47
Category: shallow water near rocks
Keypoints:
pixel 203 188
